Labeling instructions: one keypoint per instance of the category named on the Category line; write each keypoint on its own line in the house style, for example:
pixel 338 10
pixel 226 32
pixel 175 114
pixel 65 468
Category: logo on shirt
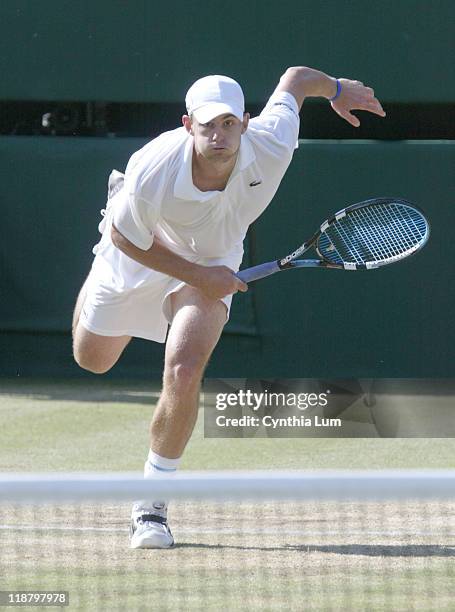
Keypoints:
pixel 287 106
pixel 254 183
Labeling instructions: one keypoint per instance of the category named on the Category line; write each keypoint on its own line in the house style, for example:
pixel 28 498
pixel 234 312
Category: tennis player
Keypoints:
pixel 172 240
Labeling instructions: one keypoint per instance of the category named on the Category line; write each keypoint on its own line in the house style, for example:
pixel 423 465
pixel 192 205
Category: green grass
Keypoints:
pixel 100 426
pixel 281 568
pixel 295 565
pixel 402 590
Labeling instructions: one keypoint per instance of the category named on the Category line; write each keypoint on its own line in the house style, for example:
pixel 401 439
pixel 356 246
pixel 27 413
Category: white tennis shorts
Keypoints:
pixel 143 312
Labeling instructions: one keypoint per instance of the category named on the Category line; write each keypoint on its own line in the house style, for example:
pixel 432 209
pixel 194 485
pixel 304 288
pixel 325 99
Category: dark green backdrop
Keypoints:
pixel 394 322
pixel 143 50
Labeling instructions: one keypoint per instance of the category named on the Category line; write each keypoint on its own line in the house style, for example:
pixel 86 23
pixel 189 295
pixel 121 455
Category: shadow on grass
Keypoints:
pixel 368 550
pixel 381 550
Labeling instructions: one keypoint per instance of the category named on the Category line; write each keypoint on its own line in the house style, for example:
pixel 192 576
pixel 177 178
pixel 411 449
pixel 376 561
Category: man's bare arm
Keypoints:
pixel 303 82
pixel 215 282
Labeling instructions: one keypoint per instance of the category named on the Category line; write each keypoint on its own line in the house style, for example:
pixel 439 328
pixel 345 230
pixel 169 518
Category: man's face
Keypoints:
pixel 219 139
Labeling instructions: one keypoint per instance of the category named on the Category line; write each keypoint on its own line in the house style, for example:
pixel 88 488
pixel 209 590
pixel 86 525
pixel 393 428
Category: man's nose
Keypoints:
pixel 217 134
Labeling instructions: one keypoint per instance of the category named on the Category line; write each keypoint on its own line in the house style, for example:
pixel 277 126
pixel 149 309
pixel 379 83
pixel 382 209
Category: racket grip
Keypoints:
pixel 257 272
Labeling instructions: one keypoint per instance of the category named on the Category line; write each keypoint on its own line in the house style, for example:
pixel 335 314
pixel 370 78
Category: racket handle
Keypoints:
pixel 256 272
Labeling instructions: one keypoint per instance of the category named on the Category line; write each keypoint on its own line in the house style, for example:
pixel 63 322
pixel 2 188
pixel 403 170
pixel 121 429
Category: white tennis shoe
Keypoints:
pixel 149 528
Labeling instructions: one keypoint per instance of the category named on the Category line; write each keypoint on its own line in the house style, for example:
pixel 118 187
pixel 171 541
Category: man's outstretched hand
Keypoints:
pixel 355 96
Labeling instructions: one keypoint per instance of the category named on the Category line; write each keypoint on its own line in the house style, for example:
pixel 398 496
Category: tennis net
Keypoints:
pixel 374 540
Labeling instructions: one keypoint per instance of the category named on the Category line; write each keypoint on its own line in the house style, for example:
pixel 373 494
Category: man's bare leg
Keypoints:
pixel 195 331
pixel 78 307
pixel 91 351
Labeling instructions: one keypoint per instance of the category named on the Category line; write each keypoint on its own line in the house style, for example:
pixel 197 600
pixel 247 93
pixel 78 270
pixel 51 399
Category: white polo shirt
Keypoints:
pixel 200 226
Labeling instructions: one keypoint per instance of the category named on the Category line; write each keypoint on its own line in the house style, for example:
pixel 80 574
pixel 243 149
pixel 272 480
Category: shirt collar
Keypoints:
pixel 184 187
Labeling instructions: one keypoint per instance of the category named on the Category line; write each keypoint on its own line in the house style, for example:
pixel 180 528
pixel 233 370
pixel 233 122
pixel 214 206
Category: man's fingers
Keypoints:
pixel 353 120
pixel 240 285
pixel 347 116
pixel 371 106
pixel 243 287
pixel 378 110
pixel 374 108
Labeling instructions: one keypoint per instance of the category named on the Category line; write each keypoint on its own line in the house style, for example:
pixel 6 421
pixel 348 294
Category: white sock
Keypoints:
pixel 159 467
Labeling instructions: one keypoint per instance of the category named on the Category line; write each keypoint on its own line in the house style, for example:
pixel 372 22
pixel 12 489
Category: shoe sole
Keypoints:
pixel 150 543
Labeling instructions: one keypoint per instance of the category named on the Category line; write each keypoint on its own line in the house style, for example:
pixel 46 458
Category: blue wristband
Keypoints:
pixel 337 95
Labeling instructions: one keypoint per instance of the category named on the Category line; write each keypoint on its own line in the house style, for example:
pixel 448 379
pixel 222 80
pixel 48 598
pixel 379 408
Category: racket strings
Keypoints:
pixel 380 241
pixel 374 241
pixel 374 234
pixel 358 246
pixel 387 234
pixel 404 225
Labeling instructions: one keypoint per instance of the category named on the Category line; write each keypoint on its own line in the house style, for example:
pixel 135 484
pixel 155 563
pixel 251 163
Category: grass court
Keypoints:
pixel 267 556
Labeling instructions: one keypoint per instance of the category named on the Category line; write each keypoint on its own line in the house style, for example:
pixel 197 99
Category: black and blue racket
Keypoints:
pixel 363 236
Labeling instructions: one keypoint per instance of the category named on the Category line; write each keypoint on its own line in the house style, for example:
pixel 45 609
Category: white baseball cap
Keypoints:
pixel 215 95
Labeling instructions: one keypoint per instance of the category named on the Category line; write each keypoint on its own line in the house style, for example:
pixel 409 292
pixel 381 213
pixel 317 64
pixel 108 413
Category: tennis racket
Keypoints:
pixel 366 235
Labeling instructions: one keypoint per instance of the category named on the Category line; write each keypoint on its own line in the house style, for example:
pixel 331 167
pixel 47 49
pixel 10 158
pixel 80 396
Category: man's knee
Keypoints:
pixel 184 374
pixel 95 353
pixel 91 361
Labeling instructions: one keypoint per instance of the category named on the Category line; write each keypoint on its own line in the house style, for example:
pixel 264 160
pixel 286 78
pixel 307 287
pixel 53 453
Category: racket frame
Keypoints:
pixel 290 261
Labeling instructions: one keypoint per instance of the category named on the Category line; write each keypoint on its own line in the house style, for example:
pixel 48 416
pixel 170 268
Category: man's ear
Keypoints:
pixel 187 124
pixel 246 118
